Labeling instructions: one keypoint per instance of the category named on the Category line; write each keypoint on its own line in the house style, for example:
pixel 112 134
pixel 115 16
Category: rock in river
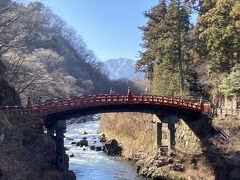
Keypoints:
pixel 92 147
pixel 102 138
pixel 71 155
pixel 98 148
pixel 82 143
pixel 112 147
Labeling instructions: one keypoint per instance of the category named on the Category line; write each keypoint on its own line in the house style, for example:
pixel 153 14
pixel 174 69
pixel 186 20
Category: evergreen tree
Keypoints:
pixel 230 85
pixel 166 57
pixel 176 46
pixel 217 44
pixel 152 33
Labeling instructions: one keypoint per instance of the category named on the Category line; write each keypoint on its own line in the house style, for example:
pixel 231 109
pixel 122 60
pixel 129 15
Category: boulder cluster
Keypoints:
pixel 111 147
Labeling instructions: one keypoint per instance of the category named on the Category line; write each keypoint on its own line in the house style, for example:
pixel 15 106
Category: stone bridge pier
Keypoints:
pixel 187 135
pixel 170 121
pixel 56 130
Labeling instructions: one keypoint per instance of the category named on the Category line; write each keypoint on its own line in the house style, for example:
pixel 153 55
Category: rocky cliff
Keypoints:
pixel 8 95
pixel 26 152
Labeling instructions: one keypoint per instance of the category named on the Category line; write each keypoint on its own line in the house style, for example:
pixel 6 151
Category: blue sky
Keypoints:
pixel 109 27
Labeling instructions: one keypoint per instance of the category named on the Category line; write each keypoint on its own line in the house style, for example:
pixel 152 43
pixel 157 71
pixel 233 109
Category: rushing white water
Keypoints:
pixel 90 164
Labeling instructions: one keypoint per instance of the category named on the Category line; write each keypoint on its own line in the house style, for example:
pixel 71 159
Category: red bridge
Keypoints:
pixel 84 105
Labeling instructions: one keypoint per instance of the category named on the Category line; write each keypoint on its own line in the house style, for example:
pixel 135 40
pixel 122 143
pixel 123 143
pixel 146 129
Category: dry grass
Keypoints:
pixel 227 122
pixel 135 131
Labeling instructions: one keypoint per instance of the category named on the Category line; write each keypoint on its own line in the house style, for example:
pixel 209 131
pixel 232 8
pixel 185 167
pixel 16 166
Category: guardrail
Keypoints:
pixel 121 99
pixel 20 110
pixel 225 111
pixel 43 108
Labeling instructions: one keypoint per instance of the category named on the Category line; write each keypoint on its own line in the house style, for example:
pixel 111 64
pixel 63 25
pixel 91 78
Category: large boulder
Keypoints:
pixel 82 143
pixel 112 147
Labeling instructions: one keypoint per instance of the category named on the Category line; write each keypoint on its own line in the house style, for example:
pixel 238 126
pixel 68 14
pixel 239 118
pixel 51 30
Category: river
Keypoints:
pixel 94 165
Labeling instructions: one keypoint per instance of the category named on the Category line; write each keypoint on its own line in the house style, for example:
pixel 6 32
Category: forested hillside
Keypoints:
pixel 41 55
pixel 200 59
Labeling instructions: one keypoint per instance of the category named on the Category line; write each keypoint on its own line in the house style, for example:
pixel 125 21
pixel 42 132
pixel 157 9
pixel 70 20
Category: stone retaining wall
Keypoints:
pixel 186 140
pixel 136 126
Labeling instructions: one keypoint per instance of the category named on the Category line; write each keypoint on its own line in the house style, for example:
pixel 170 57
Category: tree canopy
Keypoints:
pixel 180 58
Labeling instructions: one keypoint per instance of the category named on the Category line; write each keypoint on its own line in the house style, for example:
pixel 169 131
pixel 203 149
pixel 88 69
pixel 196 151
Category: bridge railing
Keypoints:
pixel 225 111
pixel 101 99
pixel 116 98
pixel 20 110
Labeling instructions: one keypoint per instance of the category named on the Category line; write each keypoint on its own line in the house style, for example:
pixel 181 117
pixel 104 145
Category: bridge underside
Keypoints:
pixel 143 108
pixel 55 121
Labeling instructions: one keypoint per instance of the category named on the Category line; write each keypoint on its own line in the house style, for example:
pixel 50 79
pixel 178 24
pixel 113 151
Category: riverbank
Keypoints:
pixel 194 158
pixel 26 152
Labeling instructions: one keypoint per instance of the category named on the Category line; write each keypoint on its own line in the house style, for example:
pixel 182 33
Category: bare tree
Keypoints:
pixel 13 20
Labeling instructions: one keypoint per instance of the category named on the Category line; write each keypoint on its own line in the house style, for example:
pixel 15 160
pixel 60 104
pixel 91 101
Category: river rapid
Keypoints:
pixel 94 165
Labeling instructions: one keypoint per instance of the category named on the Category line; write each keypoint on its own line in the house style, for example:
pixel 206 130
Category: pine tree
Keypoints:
pixel 178 25
pixel 171 73
pixel 200 47
pixel 166 44
pixel 152 33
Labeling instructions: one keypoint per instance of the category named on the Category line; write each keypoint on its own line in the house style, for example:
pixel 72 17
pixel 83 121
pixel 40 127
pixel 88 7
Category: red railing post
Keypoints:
pixel 111 91
pixel 129 94
pixel 29 103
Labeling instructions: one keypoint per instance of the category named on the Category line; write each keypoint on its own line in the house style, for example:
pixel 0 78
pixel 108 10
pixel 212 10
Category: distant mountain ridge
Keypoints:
pixel 122 68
